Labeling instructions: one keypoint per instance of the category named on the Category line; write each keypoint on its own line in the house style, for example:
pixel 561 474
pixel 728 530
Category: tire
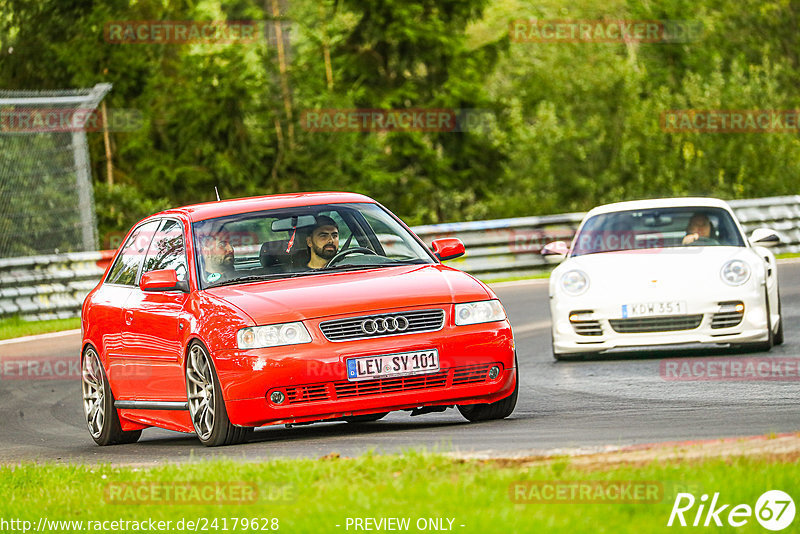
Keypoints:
pixel 368 418
pixel 778 340
pixel 495 410
pixel 206 404
pixel 102 419
pixel 765 346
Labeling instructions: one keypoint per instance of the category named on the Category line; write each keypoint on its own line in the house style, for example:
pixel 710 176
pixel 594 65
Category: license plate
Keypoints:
pixel 387 365
pixel 652 309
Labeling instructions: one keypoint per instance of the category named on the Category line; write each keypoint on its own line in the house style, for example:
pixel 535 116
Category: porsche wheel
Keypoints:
pixel 495 410
pixel 206 405
pixel 102 418
pixel 778 339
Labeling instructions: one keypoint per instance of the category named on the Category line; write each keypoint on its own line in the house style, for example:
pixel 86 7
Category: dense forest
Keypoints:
pixel 554 126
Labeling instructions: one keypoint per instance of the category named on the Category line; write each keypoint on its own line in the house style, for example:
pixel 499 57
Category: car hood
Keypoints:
pixel 666 270
pixel 358 292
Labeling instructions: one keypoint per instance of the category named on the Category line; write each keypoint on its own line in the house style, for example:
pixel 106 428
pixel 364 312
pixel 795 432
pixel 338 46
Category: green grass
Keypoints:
pixel 316 495
pixel 16 327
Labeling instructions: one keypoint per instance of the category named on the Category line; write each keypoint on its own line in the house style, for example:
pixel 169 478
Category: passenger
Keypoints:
pixel 699 228
pixel 217 257
pixel 323 242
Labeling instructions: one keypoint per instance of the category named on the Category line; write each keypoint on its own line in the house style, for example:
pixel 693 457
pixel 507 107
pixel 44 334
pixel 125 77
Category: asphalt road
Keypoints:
pixel 614 401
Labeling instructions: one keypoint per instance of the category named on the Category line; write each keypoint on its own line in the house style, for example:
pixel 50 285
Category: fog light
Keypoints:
pixel 277 397
pixel 494 372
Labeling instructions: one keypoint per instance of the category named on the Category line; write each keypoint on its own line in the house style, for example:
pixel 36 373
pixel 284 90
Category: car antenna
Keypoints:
pixel 217 192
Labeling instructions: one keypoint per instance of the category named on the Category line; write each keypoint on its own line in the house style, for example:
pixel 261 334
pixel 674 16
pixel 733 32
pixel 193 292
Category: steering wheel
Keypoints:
pixel 344 253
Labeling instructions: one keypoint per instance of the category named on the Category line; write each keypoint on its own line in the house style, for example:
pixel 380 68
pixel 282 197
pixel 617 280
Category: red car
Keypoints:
pixel 221 317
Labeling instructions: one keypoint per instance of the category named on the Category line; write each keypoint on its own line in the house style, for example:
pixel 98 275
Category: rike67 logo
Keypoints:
pixel 774 510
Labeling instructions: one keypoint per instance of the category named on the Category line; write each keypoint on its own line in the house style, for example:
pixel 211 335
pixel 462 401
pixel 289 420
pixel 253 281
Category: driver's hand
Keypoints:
pixel 690 238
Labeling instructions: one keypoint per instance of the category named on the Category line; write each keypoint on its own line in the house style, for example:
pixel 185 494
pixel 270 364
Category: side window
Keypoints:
pixel 130 258
pixel 167 251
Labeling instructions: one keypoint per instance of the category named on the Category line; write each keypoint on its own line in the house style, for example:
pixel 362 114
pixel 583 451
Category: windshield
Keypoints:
pixel 301 241
pixel 657 228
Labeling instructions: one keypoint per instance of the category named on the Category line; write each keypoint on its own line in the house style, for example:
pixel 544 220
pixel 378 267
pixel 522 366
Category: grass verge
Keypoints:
pixel 16 327
pixel 320 495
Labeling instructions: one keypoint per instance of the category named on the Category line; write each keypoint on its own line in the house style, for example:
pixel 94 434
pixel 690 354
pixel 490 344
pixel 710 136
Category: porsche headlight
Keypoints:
pixel 735 272
pixel 484 311
pixel 274 335
pixel 574 282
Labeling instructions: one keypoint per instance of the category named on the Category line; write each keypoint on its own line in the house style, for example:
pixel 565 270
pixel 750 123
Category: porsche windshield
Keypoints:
pixel 301 241
pixel 657 228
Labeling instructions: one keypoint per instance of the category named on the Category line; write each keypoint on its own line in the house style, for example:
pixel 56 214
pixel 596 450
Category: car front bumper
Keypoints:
pixel 313 376
pixel 605 329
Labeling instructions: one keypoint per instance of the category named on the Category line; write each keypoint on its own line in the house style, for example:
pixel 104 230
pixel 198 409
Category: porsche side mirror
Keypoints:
pixel 764 237
pixel 448 248
pixel 163 280
pixel 555 252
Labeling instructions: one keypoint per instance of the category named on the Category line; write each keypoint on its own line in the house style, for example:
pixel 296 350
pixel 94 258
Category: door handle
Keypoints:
pixel 128 317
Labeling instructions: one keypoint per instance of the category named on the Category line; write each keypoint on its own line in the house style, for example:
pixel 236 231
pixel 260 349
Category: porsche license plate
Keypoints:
pixel 387 365
pixel 653 309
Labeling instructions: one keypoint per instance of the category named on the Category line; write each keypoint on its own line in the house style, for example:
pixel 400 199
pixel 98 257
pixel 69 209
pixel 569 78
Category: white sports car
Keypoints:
pixel 663 272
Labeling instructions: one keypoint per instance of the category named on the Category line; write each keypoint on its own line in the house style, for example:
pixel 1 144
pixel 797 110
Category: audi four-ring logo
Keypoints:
pixel 384 325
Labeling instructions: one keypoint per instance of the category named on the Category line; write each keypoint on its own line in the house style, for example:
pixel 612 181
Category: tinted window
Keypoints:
pixel 167 250
pixel 130 258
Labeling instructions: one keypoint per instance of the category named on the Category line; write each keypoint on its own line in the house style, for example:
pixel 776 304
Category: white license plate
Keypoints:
pixel 653 309
pixel 387 365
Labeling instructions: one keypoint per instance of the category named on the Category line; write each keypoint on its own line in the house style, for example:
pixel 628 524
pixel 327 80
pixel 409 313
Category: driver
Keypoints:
pixel 323 242
pixel 218 257
pixel 699 227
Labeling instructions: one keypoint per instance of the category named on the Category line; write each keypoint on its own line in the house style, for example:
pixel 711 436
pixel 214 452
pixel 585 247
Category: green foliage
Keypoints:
pixel 570 125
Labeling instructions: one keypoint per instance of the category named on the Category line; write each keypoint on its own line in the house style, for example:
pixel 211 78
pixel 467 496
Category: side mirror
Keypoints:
pixel 764 237
pixel 448 248
pixel 163 280
pixel 555 252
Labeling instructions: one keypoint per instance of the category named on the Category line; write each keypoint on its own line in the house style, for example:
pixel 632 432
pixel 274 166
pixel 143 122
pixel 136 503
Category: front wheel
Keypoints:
pixel 495 410
pixel 206 405
pixel 101 416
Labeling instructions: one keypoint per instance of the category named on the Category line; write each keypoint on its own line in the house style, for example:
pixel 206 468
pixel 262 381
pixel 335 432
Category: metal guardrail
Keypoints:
pixel 48 287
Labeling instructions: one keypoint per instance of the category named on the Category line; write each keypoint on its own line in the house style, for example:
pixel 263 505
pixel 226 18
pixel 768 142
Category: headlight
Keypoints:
pixel 574 282
pixel 485 311
pixel 274 335
pixel 735 272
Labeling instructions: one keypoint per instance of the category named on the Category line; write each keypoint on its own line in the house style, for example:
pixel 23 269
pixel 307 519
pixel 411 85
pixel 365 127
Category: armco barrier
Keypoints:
pixel 46 287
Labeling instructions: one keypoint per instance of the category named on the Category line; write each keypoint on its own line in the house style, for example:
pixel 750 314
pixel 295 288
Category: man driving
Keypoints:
pixel 699 227
pixel 323 242
pixel 218 257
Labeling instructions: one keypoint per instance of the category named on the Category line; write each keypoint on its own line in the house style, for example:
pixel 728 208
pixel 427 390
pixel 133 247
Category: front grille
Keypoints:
pixel 390 385
pixel 656 324
pixel 345 389
pixel 470 375
pixel 303 394
pixel 587 328
pixel 349 329
pixel 728 316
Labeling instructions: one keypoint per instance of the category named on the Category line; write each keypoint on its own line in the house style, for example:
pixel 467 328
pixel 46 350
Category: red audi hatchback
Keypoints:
pixel 221 317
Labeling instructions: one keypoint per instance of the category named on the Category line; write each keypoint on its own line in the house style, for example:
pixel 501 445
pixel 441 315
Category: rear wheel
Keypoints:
pixel 206 405
pixel 98 404
pixel 495 410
